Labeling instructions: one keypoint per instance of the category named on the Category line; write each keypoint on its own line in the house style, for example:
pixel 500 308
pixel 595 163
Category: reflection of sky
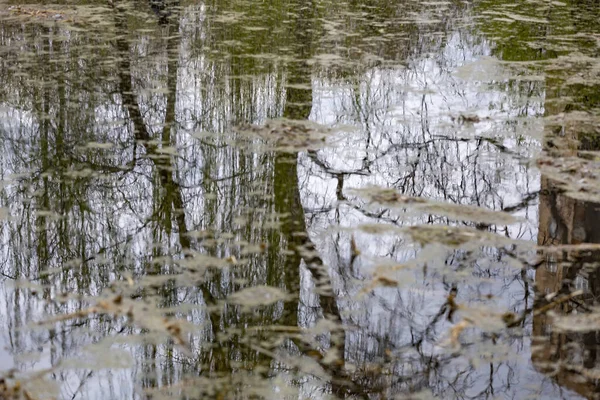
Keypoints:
pixel 399 121
pixel 401 108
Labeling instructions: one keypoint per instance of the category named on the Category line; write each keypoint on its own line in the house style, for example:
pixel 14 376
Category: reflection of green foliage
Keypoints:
pixel 557 35
pixel 521 38
pixel 589 141
pixel 252 35
pixel 584 97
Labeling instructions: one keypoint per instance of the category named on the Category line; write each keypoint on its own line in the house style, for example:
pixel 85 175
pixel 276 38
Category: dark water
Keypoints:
pixel 304 199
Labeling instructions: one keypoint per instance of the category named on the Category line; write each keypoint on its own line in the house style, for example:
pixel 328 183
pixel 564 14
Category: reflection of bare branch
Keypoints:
pixel 314 156
pixel 81 384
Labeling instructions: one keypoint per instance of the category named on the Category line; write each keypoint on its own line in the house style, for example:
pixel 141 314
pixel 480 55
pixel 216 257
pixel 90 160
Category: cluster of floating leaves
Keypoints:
pixel 285 135
pixel 392 199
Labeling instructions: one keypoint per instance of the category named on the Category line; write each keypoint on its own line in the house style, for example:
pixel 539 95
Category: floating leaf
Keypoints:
pixel 394 200
pixel 257 296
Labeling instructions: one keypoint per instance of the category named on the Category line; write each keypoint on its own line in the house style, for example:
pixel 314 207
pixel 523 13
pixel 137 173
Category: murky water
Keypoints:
pixel 305 199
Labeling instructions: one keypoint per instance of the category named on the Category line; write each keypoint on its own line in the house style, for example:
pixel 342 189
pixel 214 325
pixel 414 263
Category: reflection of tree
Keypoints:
pixel 565 221
pixel 566 279
pixel 569 223
pixel 288 203
pixel 287 200
pixel 179 216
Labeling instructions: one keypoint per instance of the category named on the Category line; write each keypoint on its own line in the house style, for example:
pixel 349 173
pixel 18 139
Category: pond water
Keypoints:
pixel 306 199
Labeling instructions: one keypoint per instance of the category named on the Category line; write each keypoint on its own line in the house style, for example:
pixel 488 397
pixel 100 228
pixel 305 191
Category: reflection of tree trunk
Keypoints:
pixel 300 246
pixel 288 204
pixel 124 69
pixel 287 201
pixel 43 109
pixel 171 198
pixel 566 221
pixel 172 190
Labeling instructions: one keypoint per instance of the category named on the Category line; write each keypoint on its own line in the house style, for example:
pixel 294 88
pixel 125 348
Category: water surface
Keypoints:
pixel 304 199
